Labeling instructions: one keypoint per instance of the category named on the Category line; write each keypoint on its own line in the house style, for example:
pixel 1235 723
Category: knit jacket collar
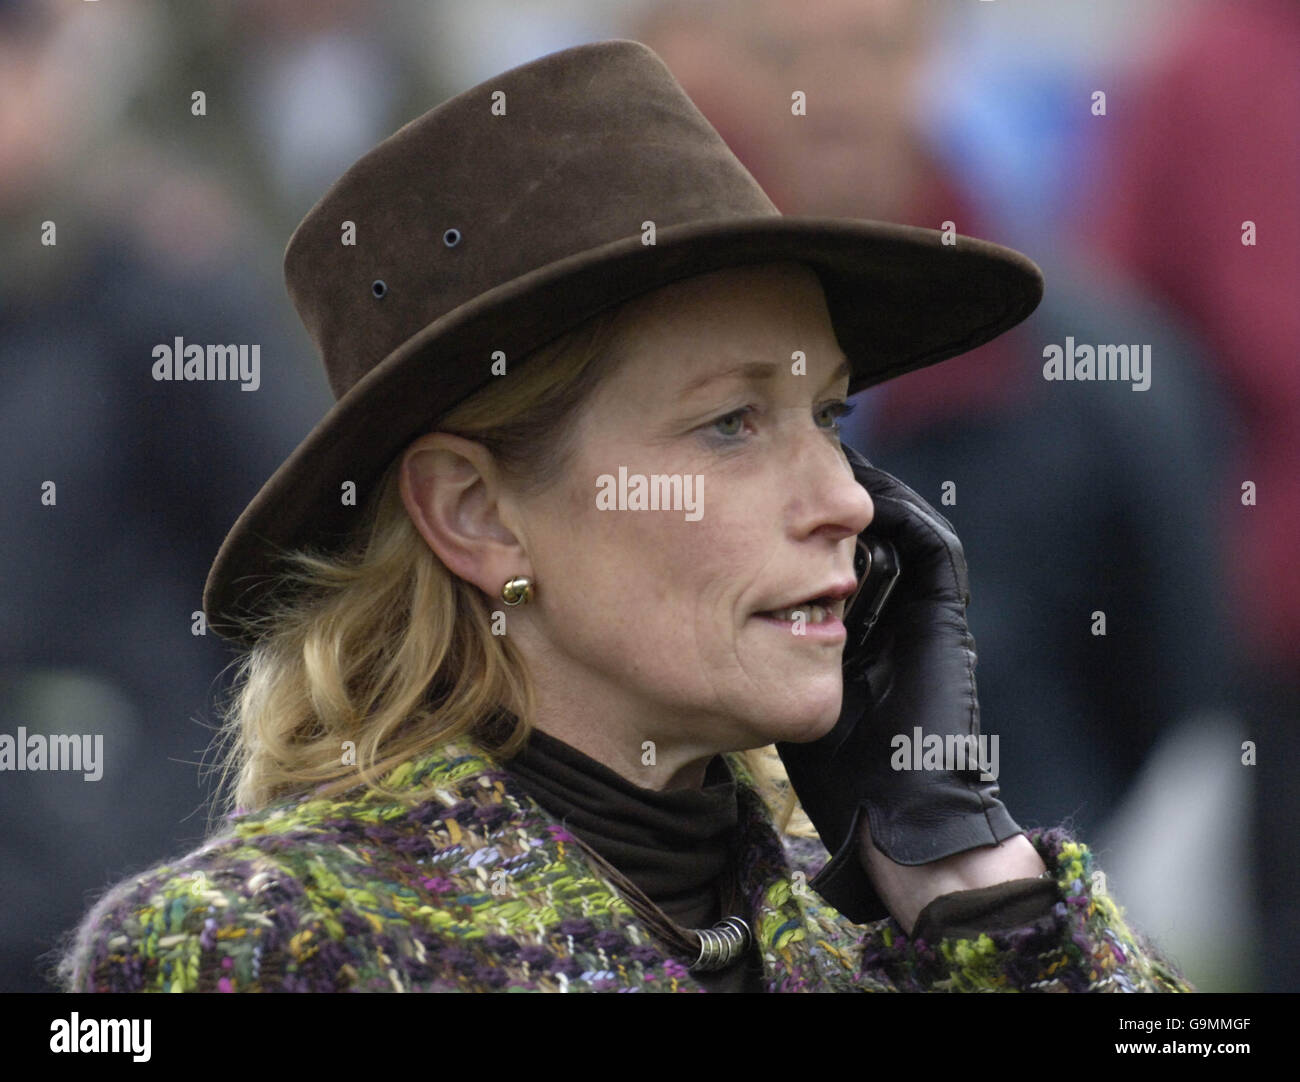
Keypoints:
pixel 509 872
pixel 673 844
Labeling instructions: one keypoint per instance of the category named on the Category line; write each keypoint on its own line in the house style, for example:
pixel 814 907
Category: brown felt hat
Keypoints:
pixel 517 210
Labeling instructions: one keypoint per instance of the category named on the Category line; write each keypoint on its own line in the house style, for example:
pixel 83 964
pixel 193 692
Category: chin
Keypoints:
pixel 815 731
pixel 805 726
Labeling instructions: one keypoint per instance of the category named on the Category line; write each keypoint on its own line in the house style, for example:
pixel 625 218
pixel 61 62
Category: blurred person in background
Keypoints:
pixel 97 587
pixel 1071 498
pixel 1208 140
pixel 297 89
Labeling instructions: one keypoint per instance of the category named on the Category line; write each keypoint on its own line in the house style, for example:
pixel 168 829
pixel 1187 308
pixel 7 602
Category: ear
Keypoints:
pixel 453 493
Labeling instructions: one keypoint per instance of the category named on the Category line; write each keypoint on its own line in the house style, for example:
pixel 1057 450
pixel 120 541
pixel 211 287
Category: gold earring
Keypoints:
pixel 517 590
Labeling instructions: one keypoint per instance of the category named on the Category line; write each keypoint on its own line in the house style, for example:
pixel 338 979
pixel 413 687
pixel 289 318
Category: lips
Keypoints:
pixel 816 612
pixel 816 608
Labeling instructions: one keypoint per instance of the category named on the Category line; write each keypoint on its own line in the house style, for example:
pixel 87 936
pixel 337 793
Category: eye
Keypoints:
pixel 723 425
pixel 835 412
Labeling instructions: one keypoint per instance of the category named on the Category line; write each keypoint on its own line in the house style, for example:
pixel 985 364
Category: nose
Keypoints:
pixel 830 499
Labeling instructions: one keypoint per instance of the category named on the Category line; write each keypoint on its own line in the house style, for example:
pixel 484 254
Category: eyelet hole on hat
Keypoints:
pixel 451 238
pixel 378 288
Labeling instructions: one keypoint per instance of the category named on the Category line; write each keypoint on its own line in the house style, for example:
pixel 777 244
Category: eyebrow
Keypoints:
pixel 753 370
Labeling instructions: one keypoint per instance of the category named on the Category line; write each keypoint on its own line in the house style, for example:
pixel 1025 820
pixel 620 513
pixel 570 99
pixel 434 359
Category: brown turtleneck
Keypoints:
pixel 674 844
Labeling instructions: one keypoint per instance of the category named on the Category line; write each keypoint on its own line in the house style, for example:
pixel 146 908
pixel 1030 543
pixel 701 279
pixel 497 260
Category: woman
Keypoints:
pixel 572 549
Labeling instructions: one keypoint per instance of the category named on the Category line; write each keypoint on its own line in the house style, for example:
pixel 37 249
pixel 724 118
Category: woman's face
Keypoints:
pixel 659 625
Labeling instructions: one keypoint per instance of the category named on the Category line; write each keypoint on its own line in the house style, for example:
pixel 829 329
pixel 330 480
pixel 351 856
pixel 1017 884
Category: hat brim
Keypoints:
pixel 899 299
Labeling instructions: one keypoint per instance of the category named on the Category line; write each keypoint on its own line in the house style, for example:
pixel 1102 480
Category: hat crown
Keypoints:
pixel 554 158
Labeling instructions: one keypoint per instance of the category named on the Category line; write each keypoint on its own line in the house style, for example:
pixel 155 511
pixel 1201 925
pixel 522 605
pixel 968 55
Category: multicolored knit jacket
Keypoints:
pixel 480 889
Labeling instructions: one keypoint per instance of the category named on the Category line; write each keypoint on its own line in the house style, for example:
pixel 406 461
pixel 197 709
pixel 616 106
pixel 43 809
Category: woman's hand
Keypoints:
pixel 916 671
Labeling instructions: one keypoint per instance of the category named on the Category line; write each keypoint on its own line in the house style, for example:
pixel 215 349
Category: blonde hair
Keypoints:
pixel 380 650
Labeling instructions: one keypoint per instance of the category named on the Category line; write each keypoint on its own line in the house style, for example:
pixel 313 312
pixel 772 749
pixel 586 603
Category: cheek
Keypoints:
pixel 646 579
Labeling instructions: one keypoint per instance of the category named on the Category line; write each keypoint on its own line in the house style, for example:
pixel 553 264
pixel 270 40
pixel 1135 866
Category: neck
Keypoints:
pixel 648 763
pixel 650 745
pixel 651 752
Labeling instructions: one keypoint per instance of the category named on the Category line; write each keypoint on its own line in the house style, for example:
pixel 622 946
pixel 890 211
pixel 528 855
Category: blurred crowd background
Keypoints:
pixel 1071 497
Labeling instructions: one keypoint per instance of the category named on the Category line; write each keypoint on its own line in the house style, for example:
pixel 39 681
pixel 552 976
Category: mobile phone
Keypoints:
pixel 875 563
